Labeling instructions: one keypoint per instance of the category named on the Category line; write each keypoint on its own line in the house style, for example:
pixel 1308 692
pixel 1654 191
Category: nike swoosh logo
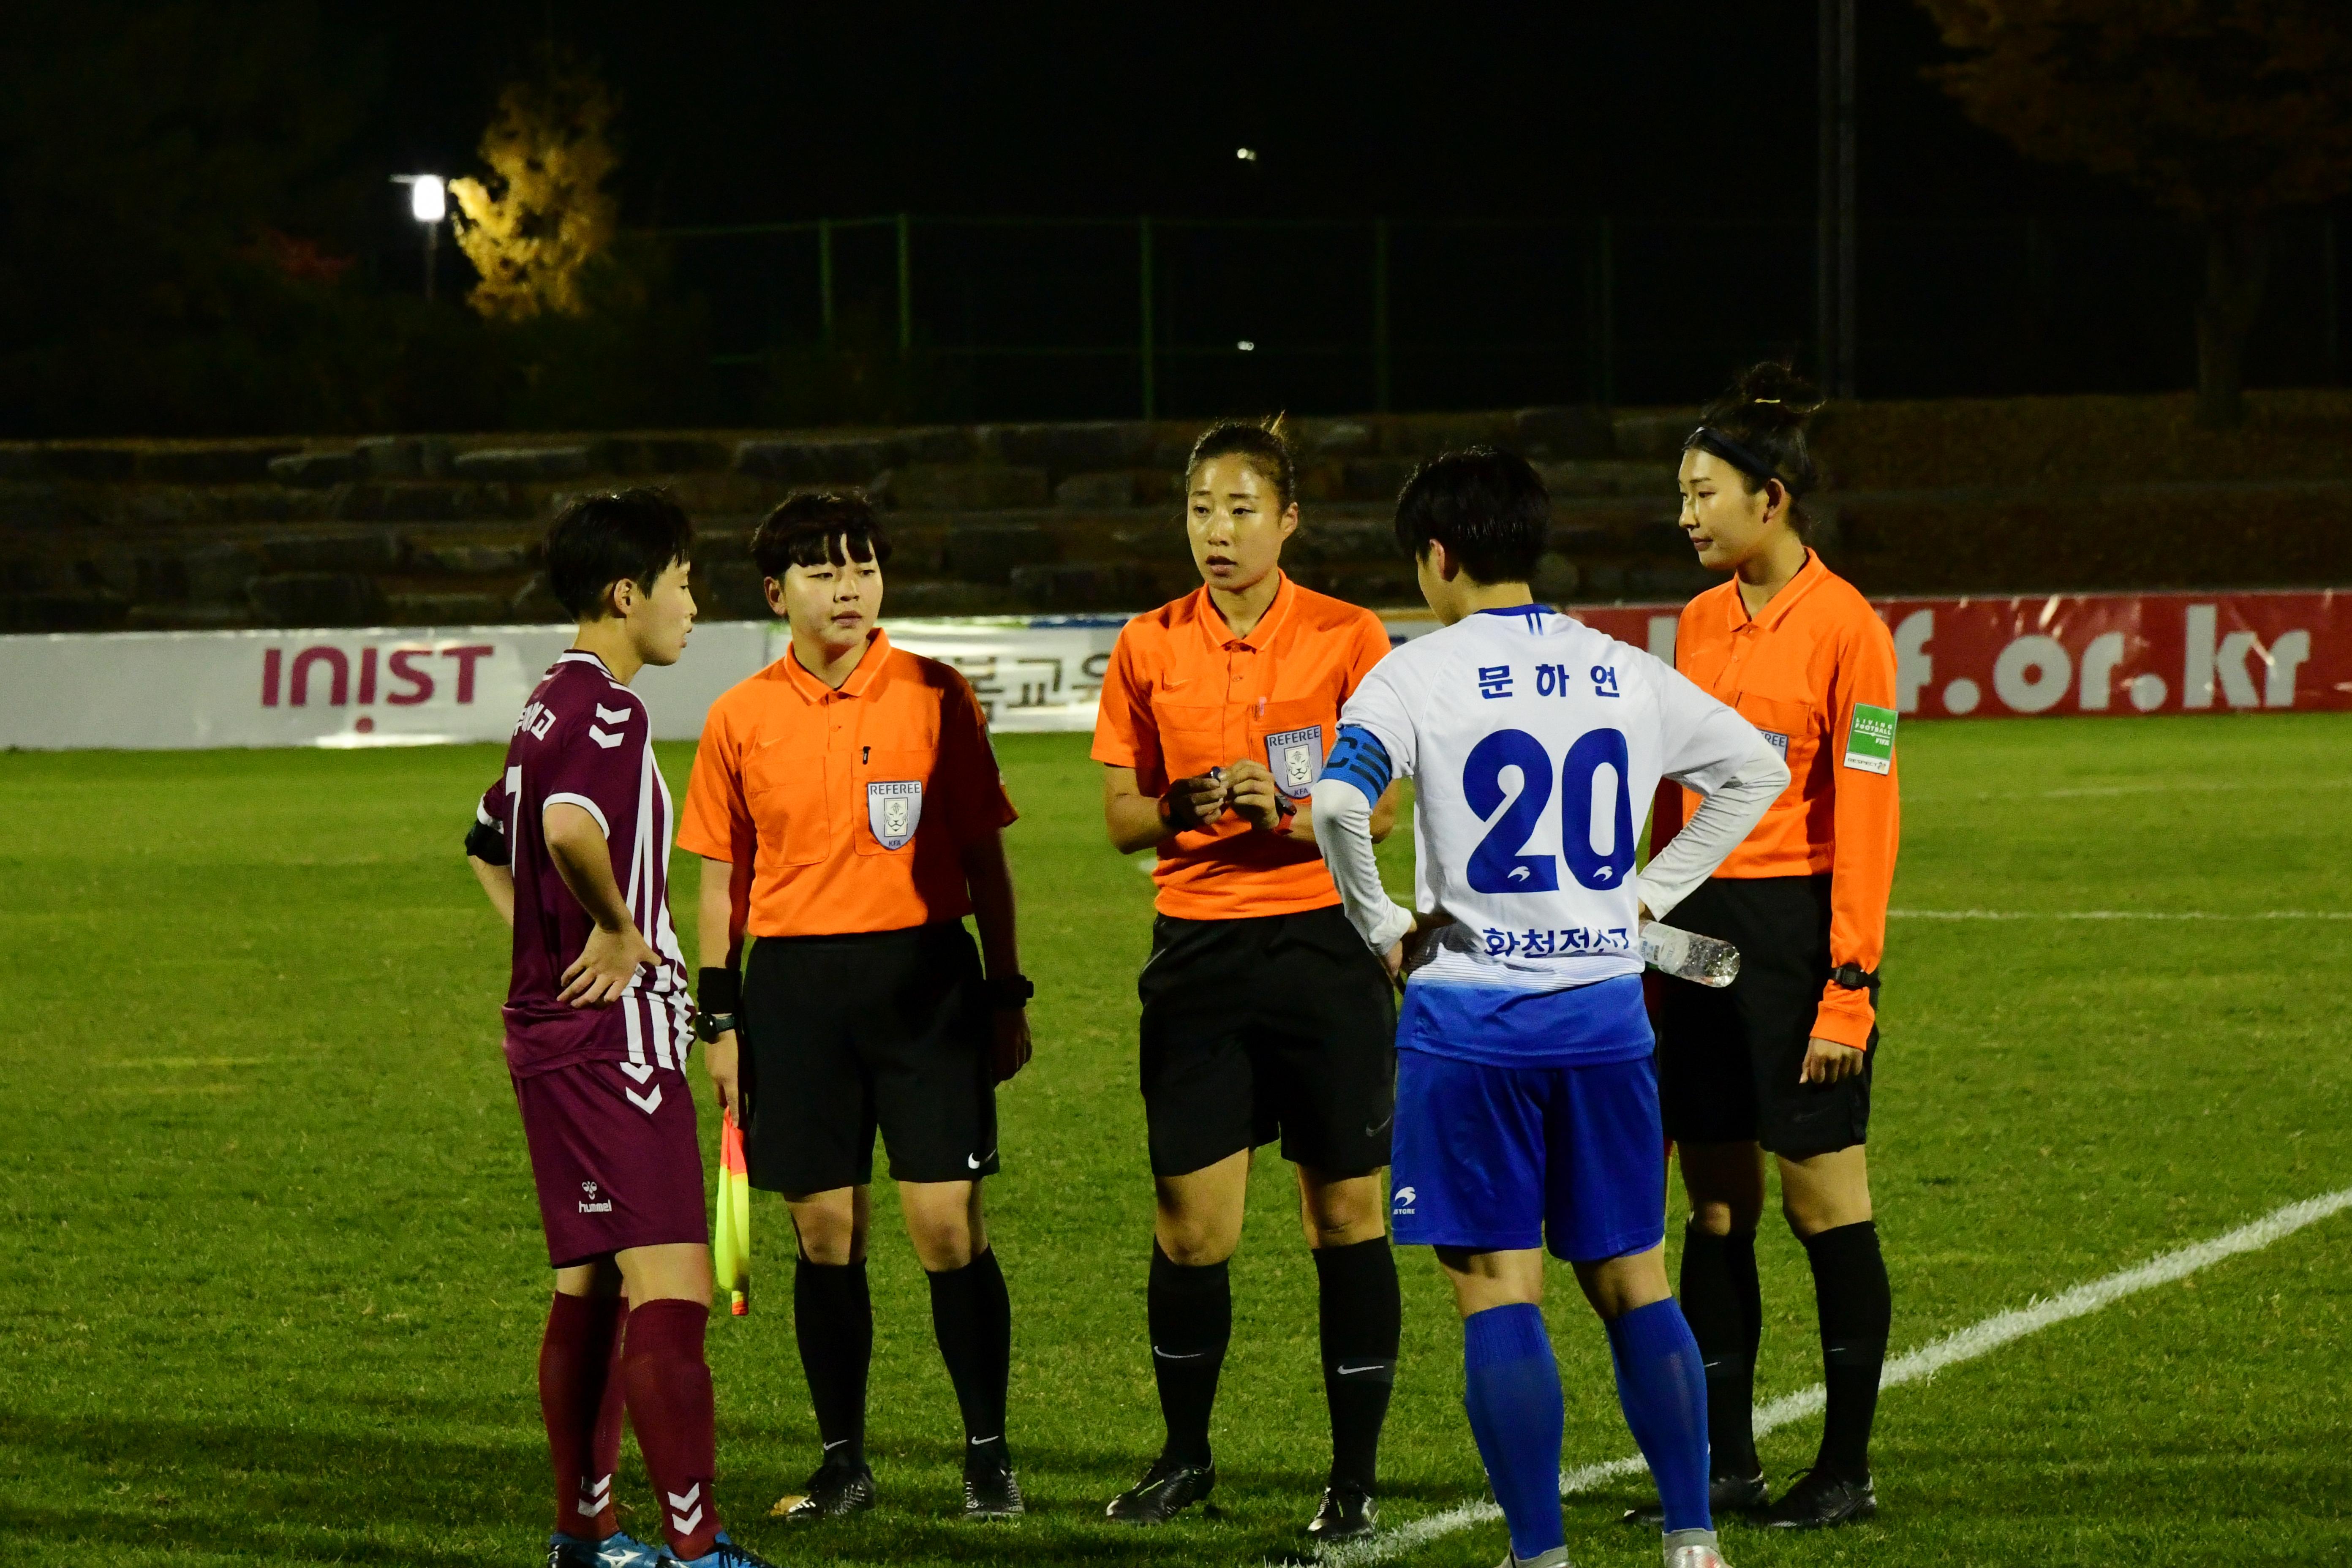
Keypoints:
pixel 1171 1356
pixel 1368 1367
pixel 976 1162
pixel 1373 1128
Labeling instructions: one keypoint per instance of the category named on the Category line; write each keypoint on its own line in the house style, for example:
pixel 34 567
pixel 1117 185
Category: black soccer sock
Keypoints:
pixel 1850 1292
pixel 1192 1318
pixel 1725 1307
pixel 1360 1313
pixel 971 1315
pixel 833 1318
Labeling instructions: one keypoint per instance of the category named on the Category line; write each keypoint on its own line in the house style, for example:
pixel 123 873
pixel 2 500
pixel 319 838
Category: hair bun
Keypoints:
pixel 1774 384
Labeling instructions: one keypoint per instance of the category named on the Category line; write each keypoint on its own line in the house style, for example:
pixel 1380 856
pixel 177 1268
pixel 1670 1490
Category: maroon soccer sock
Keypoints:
pixel 671 1406
pixel 577 1362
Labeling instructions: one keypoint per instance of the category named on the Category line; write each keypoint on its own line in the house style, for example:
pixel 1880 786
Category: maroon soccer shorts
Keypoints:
pixel 616 1160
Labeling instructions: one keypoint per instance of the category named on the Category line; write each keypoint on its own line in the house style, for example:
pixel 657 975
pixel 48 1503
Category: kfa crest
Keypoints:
pixel 1294 757
pixel 894 809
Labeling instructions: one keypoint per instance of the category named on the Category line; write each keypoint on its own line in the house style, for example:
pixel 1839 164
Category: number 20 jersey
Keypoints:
pixel 1533 744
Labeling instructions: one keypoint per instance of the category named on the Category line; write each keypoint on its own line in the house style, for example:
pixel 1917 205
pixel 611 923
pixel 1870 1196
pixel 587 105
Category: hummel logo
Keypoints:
pixel 588 1187
pixel 612 715
pixel 602 738
pixel 648 1103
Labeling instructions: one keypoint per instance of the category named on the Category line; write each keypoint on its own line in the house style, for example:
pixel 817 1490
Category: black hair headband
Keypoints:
pixel 1707 438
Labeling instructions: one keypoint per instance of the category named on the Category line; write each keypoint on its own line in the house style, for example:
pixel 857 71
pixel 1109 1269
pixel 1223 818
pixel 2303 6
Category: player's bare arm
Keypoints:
pixel 498 886
pixel 1140 821
pixel 615 950
pixel 719 928
pixel 989 881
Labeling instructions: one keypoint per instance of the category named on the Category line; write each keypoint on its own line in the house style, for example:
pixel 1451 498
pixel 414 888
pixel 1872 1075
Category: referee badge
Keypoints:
pixel 894 808
pixel 1295 759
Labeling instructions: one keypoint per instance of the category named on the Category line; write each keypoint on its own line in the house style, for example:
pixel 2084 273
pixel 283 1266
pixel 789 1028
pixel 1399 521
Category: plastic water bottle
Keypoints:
pixel 1687 956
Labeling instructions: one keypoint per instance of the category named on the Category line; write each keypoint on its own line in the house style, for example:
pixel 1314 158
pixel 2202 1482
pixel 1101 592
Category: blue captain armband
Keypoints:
pixel 1362 760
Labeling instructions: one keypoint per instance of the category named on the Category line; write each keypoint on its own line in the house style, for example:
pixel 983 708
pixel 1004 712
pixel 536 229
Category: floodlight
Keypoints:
pixel 428 198
pixel 1246 154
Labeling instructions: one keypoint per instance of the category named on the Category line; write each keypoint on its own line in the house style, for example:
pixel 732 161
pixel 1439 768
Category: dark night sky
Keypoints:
pixel 744 113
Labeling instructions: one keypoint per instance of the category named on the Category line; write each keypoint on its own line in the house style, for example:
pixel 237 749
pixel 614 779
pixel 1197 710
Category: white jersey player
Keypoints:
pixel 1526 1101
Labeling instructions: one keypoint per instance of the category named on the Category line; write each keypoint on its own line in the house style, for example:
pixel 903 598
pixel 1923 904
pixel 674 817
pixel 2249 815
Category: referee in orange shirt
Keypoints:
pixel 1781 1062
pixel 1264 1012
pixel 848 811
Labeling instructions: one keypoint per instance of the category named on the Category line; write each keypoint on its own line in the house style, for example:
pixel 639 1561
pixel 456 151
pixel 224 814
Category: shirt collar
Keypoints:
pixel 1220 634
pixel 1808 577
pixel 582 656
pixel 869 668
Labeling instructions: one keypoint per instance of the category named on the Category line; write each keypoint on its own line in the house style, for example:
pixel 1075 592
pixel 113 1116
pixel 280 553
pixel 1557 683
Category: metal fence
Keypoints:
pixel 1091 317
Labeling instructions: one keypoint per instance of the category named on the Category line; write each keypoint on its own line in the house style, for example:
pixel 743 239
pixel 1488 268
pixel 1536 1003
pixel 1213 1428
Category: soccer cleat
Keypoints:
pixel 1693 1549
pixel 615 1550
pixel 1346 1515
pixel 836 1490
pixel 725 1554
pixel 1555 1558
pixel 1166 1490
pixel 1727 1497
pixel 1821 1499
pixel 989 1489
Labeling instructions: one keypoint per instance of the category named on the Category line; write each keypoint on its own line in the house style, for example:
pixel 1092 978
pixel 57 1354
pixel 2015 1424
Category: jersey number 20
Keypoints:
pixel 1497 865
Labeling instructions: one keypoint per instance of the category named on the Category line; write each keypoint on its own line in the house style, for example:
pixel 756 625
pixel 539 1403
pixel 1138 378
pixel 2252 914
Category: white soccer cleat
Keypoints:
pixel 1556 1558
pixel 1693 1549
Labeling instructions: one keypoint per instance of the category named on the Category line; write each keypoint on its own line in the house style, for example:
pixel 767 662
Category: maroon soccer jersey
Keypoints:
pixel 584 739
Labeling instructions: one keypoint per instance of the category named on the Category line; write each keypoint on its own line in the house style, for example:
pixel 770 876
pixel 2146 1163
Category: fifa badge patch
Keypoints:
pixel 894 808
pixel 1870 741
pixel 1295 759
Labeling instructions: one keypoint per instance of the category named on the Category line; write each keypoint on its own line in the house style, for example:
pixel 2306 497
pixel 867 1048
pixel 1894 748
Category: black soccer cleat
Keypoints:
pixel 989 1489
pixel 1820 1501
pixel 836 1490
pixel 1728 1496
pixel 1167 1490
pixel 1346 1515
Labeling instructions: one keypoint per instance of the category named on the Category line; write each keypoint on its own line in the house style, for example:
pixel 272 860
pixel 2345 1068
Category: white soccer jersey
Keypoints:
pixel 1534 743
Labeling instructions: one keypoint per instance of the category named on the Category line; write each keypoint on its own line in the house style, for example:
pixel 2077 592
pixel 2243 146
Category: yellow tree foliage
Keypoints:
pixel 2215 108
pixel 2225 111
pixel 543 213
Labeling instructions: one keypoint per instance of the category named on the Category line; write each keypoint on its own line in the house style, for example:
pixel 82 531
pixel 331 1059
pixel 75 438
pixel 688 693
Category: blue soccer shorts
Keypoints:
pixel 1506 1159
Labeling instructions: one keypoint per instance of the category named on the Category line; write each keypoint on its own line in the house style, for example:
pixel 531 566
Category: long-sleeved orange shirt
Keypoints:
pixel 1816 673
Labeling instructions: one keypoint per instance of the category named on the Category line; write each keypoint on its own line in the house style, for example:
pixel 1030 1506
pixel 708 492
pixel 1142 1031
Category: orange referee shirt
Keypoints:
pixel 1183 695
pixel 1815 673
pixel 849 809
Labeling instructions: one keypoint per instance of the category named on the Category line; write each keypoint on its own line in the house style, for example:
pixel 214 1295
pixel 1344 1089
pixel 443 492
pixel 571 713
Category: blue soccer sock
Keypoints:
pixel 1511 1389
pixel 1662 1384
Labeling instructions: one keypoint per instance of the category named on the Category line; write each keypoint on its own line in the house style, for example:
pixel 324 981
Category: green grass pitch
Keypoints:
pixel 274 1283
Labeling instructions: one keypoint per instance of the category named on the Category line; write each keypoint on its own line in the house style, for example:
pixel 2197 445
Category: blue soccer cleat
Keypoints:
pixel 615 1550
pixel 726 1554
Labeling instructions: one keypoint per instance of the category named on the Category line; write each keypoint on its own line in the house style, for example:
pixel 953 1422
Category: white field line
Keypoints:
pixel 1978 1339
pixel 2114 915
pixel 2152 786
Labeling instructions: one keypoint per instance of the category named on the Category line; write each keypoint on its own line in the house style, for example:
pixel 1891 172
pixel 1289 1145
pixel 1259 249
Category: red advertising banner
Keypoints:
pixel 2111 654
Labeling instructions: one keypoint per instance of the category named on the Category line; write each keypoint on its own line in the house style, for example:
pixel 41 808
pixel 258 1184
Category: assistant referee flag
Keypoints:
pixel 730 1234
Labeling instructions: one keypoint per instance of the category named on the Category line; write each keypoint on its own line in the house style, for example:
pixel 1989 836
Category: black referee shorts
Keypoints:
pixel 1281 1025
pixel 1728 1059
pixel 844 1035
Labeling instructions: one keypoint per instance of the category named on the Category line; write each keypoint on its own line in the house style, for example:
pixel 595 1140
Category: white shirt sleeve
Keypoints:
pixel 1353 781
pixel 1343 828
pixel 1383 705
pixel 1712 750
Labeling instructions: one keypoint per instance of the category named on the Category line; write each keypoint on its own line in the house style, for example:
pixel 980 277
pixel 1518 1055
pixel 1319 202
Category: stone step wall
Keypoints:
pixel 1009 518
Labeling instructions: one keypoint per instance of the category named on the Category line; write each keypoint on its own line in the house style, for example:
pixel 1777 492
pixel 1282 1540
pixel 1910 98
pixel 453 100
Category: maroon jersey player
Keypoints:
pixel 572 843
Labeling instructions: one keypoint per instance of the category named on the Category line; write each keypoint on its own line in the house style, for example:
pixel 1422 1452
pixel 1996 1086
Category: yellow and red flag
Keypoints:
pixel 730 1238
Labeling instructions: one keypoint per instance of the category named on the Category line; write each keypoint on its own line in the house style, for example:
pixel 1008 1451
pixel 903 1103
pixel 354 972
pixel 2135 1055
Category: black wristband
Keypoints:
pixel 1855 978
pixel 717 990
pixel 485 843
pixel 1009 991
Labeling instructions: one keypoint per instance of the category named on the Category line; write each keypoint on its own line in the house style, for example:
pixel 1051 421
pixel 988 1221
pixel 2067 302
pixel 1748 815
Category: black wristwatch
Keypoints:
pixel 708 1027
pixel 1009 992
